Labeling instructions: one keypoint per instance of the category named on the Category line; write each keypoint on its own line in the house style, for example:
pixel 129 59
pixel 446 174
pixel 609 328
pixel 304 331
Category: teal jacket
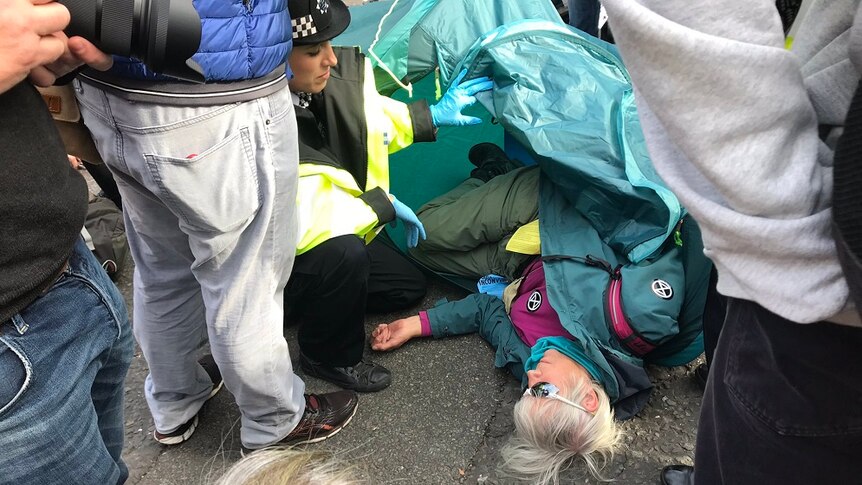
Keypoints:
pixel 612 234
pixel 625 381
pixel 674 324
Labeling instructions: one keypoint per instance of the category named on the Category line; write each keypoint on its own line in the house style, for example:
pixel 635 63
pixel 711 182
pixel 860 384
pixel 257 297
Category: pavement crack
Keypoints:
pixel 483 444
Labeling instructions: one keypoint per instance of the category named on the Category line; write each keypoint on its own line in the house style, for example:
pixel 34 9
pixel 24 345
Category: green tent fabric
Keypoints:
pixel 364 21
pixel 575 83
pixel 425 170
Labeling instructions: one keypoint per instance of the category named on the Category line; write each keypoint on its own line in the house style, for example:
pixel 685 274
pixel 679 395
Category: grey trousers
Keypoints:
pixel 208 198
pixel 469 226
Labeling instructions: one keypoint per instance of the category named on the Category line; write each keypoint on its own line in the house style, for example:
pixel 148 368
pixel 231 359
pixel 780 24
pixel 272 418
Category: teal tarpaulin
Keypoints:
pixel 565 99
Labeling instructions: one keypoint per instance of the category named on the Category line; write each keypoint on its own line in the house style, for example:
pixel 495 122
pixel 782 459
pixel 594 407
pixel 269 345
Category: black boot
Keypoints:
pixel 490 161
pixel 364 376
pixel 677 475
pixel 701 373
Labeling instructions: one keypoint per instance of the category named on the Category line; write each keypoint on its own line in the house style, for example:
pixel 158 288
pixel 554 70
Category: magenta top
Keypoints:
pixel 531 314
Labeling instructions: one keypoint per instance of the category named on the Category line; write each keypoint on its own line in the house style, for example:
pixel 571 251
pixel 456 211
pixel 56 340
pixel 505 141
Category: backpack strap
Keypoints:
pixel 636 343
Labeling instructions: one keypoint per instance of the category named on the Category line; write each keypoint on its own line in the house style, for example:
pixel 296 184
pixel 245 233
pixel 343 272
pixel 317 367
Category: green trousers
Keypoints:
pixel 469 226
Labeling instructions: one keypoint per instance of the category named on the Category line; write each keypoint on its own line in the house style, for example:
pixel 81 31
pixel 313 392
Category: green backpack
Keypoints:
pixel 107 234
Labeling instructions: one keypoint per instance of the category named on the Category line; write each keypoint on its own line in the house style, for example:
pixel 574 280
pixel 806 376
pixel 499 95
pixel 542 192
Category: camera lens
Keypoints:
pixel 164 34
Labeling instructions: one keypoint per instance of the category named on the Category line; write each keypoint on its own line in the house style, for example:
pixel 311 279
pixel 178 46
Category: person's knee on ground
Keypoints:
pixel 338 262
pixel 394 283
pixel 409 293
pixel 352 256
pixel 550 434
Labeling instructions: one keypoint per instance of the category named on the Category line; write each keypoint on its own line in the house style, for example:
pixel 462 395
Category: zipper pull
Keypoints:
pixel 677 234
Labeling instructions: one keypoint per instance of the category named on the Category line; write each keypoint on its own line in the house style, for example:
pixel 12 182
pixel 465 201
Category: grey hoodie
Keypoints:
pixel 733 122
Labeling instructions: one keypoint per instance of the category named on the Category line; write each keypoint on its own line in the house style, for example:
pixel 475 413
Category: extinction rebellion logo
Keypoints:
pixel 662 289
pixel 534 302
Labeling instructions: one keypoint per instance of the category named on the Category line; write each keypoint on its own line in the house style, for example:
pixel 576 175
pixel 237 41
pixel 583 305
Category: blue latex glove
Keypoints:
pixel 413 229
pixel 447 112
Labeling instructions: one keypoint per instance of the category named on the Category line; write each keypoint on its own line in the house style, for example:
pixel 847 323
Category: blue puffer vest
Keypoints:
pixel 241 39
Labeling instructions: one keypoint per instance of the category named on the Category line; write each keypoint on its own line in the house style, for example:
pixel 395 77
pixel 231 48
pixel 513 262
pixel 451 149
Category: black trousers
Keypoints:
pixel 105 181
pixel 783 403
pixel 714 312
pixel 333 285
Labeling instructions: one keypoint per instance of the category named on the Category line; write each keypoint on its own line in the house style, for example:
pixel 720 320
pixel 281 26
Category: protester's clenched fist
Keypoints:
pixel 30 36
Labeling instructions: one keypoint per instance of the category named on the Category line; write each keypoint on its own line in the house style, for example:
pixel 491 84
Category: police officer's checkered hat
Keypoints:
pixel 315 21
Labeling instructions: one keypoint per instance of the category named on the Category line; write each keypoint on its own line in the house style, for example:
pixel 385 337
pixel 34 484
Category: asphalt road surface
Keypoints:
pixel 443 420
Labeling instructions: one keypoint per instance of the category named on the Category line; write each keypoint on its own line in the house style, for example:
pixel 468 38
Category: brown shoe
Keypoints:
pixel 324 416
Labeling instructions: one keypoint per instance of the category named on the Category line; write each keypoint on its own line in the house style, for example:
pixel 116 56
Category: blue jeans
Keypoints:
pixel 584 15
pixel 63 360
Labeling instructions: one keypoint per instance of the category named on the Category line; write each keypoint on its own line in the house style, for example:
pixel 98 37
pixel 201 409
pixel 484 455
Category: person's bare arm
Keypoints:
pixel 390 336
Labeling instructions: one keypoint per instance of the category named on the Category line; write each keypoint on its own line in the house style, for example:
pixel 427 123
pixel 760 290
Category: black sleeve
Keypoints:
pixel 420 117
pixel 379 202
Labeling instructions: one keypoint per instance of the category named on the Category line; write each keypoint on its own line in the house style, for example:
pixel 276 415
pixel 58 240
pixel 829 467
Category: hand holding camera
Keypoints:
pixel 78 51
pixel 164 34
pixel 30 36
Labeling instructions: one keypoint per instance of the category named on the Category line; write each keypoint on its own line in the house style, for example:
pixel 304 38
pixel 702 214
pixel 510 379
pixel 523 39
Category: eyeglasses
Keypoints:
pixel 546 389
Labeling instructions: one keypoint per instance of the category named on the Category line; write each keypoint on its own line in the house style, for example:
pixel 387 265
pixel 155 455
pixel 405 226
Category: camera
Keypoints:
pixel 164 34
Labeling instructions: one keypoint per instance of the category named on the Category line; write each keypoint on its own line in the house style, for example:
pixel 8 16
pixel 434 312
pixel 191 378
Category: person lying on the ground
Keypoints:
pixel 594 364
pixel 346 133
pixel 566 410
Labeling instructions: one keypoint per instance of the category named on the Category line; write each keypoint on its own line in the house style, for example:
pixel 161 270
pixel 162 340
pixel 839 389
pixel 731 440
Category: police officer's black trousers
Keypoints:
pixel 333 285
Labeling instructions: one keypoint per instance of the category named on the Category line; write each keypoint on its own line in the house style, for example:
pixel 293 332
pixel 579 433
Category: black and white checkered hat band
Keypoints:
pixel 303 27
